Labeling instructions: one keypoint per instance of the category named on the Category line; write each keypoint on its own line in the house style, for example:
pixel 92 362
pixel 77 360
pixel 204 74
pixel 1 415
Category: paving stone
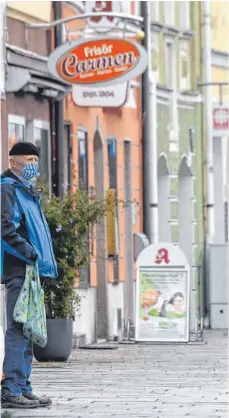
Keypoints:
pixel 138 381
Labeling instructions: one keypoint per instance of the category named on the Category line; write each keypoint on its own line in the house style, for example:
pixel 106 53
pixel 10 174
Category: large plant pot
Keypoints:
pixel 59 345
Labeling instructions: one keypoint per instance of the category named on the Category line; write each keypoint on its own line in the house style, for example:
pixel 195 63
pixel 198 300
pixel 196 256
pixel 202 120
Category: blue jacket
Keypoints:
pixel 24 231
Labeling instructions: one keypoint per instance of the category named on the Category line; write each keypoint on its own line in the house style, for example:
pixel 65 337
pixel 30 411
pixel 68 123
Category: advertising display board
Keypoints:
pixel 162 305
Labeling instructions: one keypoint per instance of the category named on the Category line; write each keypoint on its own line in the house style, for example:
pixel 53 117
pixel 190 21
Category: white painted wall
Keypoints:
pixel 85 319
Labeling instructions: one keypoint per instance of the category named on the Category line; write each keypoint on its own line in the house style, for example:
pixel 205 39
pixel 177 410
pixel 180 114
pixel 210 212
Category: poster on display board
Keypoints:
pixel 162 304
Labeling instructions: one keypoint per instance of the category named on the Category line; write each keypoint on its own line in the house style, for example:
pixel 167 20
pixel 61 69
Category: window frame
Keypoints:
pixel 114 140
pixel 44 125
pixel 171 43
pixel 16 120
pixel 173 108
pixel 85 272
pixel 84 131
pixel 184 53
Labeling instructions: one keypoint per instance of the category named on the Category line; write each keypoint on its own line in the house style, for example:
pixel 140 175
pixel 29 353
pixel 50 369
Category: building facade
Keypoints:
pixel 30 91
pixel 220 74
pixel 176 59
pixel 102 149
pixel 106 157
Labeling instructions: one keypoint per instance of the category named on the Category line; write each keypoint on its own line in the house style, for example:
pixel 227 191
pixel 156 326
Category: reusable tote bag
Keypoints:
pixel 30 308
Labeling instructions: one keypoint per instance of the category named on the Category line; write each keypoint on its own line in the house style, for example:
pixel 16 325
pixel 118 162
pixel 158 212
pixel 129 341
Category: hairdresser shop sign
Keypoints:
pixel 98 62
pixel 163 294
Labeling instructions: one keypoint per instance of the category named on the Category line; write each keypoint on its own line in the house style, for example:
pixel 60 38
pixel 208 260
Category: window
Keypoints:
pixel 169 13
pixel 184 66
pixel 169 62
pixel 184 14
pixel 16 130
pixel 155 56
pixel 154 11
pixel 83 183
pixel 173 128
pixel 83 159
pixel 67 156
pixel 38 132
pixel 112 162
pixel 41 140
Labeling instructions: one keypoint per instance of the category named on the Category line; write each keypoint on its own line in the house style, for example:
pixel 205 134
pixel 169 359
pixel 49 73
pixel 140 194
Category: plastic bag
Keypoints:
pixel 30 308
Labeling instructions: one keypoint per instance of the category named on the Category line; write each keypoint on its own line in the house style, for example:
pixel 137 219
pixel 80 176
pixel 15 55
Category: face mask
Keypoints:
pixel 29 171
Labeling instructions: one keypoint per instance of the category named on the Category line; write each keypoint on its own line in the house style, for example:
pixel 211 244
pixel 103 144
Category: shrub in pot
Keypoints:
pixel 70 221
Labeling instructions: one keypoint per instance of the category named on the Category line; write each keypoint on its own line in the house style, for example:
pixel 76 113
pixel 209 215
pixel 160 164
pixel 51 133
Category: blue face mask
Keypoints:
pixel 29 171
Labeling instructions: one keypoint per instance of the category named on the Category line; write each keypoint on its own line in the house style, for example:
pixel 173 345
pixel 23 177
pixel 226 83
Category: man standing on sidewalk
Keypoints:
pixel 25 240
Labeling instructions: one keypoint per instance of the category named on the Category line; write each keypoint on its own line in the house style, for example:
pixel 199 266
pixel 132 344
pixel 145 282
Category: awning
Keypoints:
pixel 28 72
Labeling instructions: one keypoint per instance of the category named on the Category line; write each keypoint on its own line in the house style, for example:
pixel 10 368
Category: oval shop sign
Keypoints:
pixel 98 62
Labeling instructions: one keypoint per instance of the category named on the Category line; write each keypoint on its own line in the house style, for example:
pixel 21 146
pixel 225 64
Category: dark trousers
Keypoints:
pixel 17 364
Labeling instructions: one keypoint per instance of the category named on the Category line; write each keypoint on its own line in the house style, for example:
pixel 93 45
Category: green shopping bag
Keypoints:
pixel 30 308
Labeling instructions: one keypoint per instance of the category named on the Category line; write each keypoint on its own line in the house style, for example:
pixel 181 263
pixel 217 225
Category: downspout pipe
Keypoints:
pixel 150 165
pixel 59 113
pixel 208 120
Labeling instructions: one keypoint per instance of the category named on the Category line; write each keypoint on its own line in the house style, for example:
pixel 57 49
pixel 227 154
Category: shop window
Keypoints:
pixel 83 159
pixel 16 130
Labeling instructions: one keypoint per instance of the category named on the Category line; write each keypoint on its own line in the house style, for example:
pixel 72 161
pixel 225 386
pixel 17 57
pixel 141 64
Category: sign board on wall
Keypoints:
pixel 220 117
pixel 163 293
pixel 111 96
pixel 98 62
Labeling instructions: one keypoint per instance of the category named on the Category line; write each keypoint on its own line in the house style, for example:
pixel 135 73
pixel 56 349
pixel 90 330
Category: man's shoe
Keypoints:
pixel 16 402
pixel 43 400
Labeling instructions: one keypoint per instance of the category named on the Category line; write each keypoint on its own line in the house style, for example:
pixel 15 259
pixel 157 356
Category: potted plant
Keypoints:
pixel 70 221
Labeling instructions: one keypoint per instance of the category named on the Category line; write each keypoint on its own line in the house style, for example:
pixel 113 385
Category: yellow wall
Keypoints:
pixel 220 25
pixel 30 10
pixel 220 42
pixel 220 75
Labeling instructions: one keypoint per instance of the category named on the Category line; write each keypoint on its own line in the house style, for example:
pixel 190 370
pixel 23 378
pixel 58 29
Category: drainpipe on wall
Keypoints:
pixel 59 113
pixel 208 119
pixel 150 172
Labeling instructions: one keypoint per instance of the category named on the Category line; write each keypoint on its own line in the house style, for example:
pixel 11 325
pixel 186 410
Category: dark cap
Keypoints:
pixel 24 148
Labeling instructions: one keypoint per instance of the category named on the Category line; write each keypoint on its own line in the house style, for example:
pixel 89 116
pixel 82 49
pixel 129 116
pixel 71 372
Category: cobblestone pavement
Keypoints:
pixel 138 381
